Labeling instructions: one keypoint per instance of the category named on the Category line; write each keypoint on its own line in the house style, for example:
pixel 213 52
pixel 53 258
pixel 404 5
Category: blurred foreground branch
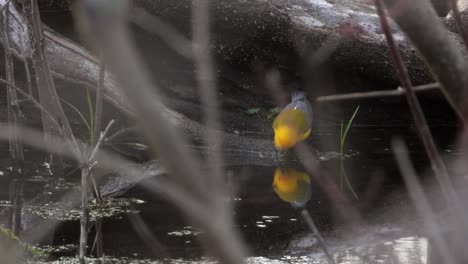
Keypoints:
pixel 443 54
pixel 111 32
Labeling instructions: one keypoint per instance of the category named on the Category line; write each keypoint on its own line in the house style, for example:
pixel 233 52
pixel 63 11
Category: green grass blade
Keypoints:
pixel 341 138
pixel 350 121
pixel 78 112
pixel 349 184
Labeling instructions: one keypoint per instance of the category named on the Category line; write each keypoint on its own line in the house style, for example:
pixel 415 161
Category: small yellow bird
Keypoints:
pixel 292 186
pixel 293 123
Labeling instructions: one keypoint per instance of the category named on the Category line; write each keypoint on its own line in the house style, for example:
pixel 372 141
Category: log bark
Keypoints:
pixel 346 33
pixel 277 33
pixel 343 35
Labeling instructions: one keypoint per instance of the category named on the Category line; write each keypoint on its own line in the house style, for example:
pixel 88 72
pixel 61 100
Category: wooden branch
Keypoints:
pixel 443 54
pixel 422 127
pixel 376 94
pixel 47 93
pixel 14 112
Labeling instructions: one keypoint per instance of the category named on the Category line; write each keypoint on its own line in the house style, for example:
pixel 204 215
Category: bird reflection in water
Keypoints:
pixel 292 186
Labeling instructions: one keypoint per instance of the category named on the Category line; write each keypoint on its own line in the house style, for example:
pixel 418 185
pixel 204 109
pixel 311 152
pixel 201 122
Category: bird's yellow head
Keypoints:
pixel 285 137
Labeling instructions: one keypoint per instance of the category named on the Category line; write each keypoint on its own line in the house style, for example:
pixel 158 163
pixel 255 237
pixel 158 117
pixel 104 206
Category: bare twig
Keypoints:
pixel 164 30
pixel 99 100
pixel 440 50
pixel 117 102
pixel 97 131
pixel 111 31
pixel 97 245
pixel 91 162
pixel 146 235
pixel 47 93
pixel 14 117
pixel 419 199
pixel 121 166
pixel 208 94
pixel 437 164
pixel 38 105
pixel 376 94
pixel 102 136
pixel 18 200
pixel 14 113
pixel 140 91
pixel 28 74
pixel 84 212
pixel 421 124
pixel 342 203
pixel 121 132
pixel 310 223
pixel 50 100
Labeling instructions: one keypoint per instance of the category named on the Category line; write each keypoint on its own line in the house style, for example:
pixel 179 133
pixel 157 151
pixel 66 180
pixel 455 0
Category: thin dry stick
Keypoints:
pixel 28 74
pixel 18 201
pixel 107 161
pixel 310 223
pixel 376 94
pixel 47 92
pixel 84 212
pixel 342 203
pixel 97 121
pixel 34 101
pixel 91 162
pixel 99 99
pixel 452 202
pixel 99 142
pixel 97 130
pixel 121 132
pixel 164 30
pixel 85 174
pixel 207 85
pixel 15 147
pixel 439 49
pixel 140 92
pixel 97 244
pixel 121 166
pixel 146 235
pixel 111 31
pixel 14 114
pixel 419 199
pixel 437 164
pixel 49 98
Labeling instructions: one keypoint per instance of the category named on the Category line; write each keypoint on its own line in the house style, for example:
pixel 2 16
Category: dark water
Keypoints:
pixel 274 231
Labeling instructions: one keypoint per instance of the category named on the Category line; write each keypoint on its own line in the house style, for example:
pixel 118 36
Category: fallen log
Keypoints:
pixel 346 33
pixel 272 32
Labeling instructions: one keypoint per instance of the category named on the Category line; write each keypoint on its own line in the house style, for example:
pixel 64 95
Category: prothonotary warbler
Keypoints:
pixel 292 186
pixel 293 123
